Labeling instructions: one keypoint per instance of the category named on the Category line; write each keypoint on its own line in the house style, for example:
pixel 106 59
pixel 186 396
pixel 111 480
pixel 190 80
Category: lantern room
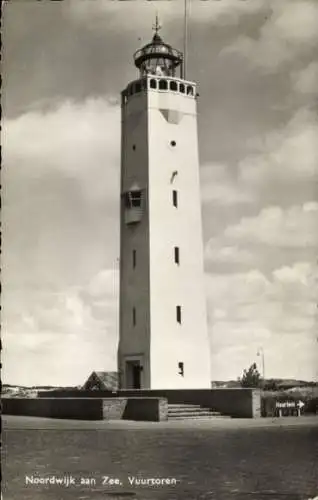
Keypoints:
pixel 159 58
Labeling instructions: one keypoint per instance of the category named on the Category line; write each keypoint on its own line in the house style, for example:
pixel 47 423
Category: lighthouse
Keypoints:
pixel 163 337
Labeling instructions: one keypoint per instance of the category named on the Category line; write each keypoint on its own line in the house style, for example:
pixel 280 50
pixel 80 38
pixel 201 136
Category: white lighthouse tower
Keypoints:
pixel 163 341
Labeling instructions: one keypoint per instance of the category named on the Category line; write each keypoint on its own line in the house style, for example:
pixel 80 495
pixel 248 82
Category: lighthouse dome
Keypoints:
pixel 157 58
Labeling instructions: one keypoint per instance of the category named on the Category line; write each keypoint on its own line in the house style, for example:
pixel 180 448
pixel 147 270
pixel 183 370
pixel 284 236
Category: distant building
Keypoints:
pixel 102 381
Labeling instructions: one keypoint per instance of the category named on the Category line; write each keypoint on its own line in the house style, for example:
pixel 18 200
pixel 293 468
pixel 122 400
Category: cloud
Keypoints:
pixel 288 154
pixel 305 80
pixel 273 226
pixel 61 177
pixel 280 168
pixel 273 237
pixel 287 293
pixel 236 288
pixel 60 228
pixel 78 140
pixel 67 332
pixel 231 254
pixel 223 13
pixel 277 311
pixel 219 187
pixel 297 284
pixel 288 34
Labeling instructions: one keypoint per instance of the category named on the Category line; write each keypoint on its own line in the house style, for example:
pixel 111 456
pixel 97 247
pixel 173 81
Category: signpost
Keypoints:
pixel 289 405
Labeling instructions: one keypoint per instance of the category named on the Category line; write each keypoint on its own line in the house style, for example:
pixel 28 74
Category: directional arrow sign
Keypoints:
pixel 300 404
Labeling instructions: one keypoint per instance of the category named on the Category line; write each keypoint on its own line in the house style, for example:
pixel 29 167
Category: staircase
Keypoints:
pixel 192 412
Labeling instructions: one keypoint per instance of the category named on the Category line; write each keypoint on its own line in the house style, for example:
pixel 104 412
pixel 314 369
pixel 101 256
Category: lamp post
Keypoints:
pixel 260 352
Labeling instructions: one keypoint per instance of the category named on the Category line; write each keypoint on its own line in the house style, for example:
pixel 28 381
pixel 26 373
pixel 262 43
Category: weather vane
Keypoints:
pixel 156 27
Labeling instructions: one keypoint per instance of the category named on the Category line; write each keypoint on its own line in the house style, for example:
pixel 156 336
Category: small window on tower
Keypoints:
pixel 134 258
pixel 163 85
pixel 175 198
pixel 173 86
pixel 134 316
pixel 133 199
pixel 182 88
pixel 178 314
pixel 133 203
pixel 153 83
pixel 177 255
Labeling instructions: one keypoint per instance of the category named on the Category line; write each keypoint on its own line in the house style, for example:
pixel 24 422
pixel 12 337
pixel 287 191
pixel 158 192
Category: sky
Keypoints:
pixel 64 65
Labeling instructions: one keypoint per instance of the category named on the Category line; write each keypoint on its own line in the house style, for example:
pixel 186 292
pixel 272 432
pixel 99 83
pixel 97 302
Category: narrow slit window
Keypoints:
pixel 178 314
pixel 175 198
pixel 181 368
pixel 134 316
pixel 134 258
pixel 177 255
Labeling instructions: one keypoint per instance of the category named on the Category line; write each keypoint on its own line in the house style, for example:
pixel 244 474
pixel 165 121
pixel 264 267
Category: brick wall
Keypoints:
pixel 114 408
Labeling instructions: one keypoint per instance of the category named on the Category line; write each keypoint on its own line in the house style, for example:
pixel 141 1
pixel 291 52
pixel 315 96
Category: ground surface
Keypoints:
pixel 223 459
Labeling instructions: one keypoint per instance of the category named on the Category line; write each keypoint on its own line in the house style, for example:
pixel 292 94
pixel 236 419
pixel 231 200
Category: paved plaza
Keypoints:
pixel 195 460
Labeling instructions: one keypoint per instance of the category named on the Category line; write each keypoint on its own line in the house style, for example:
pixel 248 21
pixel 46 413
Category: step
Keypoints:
pixel 179 405
pixel 192 412
pixel 195 413
pixel 189 408
pixel 186 408
pixel 199 412
pixel 210 417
